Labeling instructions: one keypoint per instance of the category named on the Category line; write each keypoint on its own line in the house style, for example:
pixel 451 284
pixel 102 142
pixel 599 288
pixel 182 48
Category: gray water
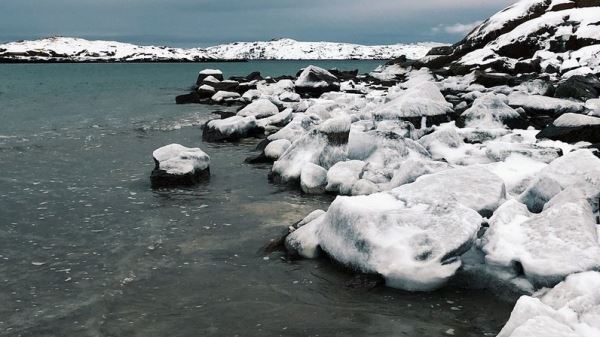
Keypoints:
pixel 87 248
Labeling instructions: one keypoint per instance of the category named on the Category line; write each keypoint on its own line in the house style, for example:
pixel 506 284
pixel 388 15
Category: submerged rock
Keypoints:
pixel 178 165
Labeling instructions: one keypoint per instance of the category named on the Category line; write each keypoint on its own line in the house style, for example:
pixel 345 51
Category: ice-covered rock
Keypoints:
pixel 413 244
pixel 324 146
pixel 342 176
pixel 570 309
pixel 491 111
pixel 364 187
pixel 232 129
pixel 179 165
pixel 413 235
pixel 313 179
pixel 276 148
pixel 315 81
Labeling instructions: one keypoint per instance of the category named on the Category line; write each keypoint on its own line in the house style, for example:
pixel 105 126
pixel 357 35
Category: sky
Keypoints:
pixel 201 23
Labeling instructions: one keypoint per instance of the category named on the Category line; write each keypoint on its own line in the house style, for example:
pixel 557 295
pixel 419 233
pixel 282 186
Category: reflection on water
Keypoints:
pixel 88 249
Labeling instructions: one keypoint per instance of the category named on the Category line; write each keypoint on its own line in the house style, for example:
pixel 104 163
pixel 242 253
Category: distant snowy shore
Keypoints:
pixel 67 49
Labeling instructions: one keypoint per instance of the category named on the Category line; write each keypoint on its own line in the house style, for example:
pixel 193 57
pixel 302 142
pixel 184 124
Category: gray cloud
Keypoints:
pixel 206 22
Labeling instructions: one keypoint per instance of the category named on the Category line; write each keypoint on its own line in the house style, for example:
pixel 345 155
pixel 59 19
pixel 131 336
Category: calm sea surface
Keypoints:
pixel 87 248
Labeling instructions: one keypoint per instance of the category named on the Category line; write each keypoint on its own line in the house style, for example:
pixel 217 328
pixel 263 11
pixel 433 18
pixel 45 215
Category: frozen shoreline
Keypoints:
pixel 443 166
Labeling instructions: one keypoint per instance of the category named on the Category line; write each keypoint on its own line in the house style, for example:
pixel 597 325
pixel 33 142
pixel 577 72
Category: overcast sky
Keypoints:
pixel 189 23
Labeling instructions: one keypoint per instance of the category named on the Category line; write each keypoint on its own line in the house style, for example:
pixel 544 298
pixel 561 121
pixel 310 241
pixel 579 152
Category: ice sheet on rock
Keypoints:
pixel 384 152
pixel 472 186
pixel 176 159
pixel 570 309
pixel 260 108
pixel 343 175
pixel 489 111
pixel 297 127
pixel 517 171
pixel 364 187
pixel 575 120
pixel 413 168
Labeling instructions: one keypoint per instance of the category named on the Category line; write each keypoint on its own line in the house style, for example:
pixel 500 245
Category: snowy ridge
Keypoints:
pixel 288 49
pixel 67 49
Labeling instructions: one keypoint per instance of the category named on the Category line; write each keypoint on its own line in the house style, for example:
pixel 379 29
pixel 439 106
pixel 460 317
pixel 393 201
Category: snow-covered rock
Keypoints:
pixel 421 104
pixel 575 120
pixel 260 108
pixel 179 165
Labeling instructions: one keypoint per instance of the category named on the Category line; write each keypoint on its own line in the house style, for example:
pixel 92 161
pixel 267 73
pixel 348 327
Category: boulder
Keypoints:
pixel 491 111
pixel 573 128
pixel 177 165
pixel 225 97
pixel 314 81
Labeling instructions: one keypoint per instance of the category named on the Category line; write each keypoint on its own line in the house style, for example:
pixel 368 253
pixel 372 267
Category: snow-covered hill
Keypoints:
pixel 295 50
pixel 66 49
pixel 61 49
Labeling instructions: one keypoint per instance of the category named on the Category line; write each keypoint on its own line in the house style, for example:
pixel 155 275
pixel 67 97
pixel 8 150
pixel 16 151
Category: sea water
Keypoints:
pixel 87 248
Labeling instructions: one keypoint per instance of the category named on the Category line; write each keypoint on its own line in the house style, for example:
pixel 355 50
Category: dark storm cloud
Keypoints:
pixel 206 22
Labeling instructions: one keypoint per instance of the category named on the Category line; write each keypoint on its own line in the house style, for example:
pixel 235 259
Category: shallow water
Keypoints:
pixel 87 248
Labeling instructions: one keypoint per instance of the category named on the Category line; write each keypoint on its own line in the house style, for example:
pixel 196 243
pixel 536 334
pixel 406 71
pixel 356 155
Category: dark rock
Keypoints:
pixel 190 98
pixel 210 134
pixel 310 80
pixel 227 85
pixel 224 114
pixel 344 75
pixel 579 87
pixel 162 179
pixel 492 79
pixel 586 133
pixel 441 50
pixel 529 66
